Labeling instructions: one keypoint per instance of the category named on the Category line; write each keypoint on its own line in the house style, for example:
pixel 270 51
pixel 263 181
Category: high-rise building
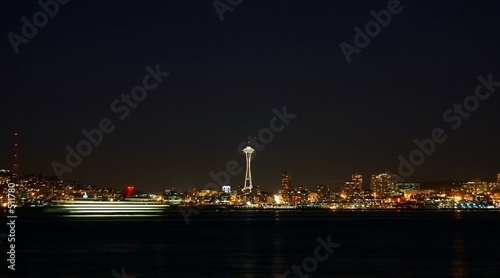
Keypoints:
pixel 477 186
pixel 286 186
pixel 354 186
pixel 383 184
pixel 357 178
pixel 348 189
pixel 498 181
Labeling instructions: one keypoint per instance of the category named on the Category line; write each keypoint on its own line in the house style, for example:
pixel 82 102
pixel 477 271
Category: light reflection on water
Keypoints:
pixel 261 244
pixel 458 263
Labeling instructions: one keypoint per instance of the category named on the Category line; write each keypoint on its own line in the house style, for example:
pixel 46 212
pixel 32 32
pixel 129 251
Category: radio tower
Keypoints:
pixel 15 163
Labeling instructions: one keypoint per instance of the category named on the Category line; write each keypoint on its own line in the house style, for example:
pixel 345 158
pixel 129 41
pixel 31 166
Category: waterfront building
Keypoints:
pixel 286 186
pixel 383 184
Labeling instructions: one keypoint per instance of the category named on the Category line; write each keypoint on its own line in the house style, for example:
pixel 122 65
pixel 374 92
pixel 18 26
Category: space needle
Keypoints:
pixel 247 187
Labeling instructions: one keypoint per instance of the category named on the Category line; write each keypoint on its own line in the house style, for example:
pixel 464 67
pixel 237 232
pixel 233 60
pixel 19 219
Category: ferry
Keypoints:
pixel 91 208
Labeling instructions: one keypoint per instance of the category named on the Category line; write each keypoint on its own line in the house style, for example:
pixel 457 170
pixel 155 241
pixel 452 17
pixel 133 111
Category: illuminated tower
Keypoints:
pixel 498 181
pixel 15 163
pixel 248 175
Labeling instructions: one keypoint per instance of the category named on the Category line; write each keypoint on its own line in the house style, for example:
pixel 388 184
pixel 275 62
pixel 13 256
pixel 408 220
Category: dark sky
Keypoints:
pixel 227 76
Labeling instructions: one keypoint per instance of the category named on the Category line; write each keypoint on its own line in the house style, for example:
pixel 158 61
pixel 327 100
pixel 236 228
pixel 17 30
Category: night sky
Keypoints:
pixel 226 77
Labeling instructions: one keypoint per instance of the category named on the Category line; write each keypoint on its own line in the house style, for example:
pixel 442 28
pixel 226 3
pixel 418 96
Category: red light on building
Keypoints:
pixel 130 190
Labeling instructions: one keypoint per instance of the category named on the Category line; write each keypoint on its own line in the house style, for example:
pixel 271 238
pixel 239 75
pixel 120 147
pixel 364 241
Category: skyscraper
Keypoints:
pixel 357 178
pixel 383 184
pixel 348 189
pixel 498 181
pixel 354 186
pixel 286 185
pixel 247 187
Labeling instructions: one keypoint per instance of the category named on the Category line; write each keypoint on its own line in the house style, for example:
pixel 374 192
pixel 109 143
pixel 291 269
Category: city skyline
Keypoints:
pixel 387 179
pixel 215 179
pixel 213 83
pixel 384 192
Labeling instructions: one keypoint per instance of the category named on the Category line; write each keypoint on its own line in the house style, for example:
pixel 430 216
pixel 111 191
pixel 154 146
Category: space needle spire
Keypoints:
pixel 247 187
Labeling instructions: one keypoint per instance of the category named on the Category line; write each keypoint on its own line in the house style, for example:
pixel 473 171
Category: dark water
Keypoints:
pixel 261 244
